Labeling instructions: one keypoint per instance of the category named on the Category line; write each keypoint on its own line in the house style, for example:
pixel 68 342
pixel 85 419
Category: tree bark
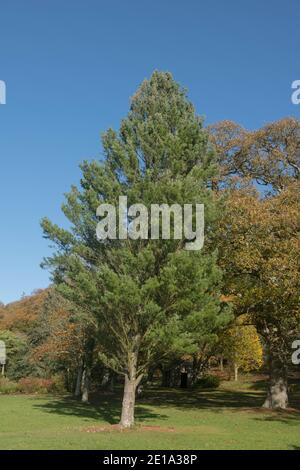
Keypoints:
pixel 199 365
pixel 111 384
pixel 85 386
pixel 131 383
pixel 87 368
pixel 77 391
pixel 277 397
pixel 236 372
pixel 127 417
pixel 166 378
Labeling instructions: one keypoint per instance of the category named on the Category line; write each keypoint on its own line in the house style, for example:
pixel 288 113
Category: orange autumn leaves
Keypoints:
pixel 260 248
pixel 65 340
pixel 270 155
pixel 21 314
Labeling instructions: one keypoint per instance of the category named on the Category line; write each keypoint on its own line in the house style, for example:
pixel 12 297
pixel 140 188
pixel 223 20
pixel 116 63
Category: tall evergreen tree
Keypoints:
pixel 149 296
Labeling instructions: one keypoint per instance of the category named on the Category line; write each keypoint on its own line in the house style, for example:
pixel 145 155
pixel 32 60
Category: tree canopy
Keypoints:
pixel 148 296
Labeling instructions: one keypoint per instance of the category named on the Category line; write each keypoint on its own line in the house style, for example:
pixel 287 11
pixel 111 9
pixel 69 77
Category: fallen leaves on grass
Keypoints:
pixel 117 427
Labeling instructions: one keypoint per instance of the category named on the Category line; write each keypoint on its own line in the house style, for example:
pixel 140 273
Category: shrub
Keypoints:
pixel 8 386
pixel 34 385
pixel 208 381
pixel 41 385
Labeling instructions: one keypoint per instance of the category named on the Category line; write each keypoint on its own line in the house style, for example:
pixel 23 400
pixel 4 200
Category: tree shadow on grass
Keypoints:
pixel 218 400
pixel 289 417
pixel 105 409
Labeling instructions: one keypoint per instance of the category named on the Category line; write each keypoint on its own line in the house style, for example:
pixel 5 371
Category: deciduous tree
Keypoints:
pixel 241 346
pixel 260 251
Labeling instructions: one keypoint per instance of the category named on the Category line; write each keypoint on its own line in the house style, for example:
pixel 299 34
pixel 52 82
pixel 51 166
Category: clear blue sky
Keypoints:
pixel 70 67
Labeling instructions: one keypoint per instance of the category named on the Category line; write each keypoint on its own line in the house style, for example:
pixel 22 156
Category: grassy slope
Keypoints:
pixel 166 419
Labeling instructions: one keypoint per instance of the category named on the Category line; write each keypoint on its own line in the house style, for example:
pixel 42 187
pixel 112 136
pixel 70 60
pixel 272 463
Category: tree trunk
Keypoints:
pixel 127 417
pixel 166 378
pixel 131 383
pixel 277 397
pixel 105 379
pixel 184 380
pixel 221 364
pixel 200 364
pixel 87 368
pixel 111 385
pixel 236 372
pixel 77 391
pixel 85 386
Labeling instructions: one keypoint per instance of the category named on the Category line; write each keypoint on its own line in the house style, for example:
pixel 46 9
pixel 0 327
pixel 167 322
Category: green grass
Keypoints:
pixel 227 418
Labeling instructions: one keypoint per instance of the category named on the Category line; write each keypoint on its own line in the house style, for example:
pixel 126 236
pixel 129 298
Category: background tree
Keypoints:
pixel 20 315
pixel 17 364
pixel 261 254
pixel 241 346
pixel 270 156
pixel 143 292
pixel 17 320
pixel 63 341
pixel 262 230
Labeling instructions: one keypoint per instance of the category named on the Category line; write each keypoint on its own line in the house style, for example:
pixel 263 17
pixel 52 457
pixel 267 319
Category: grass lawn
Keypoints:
pixel 226 418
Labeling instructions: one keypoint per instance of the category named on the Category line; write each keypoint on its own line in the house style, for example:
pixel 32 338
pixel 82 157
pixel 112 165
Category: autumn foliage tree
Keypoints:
pixel 63 339
pixel 17 321
pixel 259 238
pixel 270 156
pixel 241 346
pixel 20 315
pixel 261 255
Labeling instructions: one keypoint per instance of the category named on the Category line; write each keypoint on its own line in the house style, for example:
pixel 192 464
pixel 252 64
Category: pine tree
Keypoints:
pixel 148 296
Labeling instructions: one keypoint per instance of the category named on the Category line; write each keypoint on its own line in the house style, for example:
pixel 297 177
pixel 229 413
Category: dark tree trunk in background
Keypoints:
pixel 108 380
pixel 77 391
pixel 150 376
pixel 183 379
pixel 85 385
pixel 171 377
pixel 166 378
pixel 87 369
pixel 111 384
pixel 195 371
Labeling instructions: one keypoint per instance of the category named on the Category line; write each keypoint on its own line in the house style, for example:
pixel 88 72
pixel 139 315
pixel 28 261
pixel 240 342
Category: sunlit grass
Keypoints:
pixel 226 418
